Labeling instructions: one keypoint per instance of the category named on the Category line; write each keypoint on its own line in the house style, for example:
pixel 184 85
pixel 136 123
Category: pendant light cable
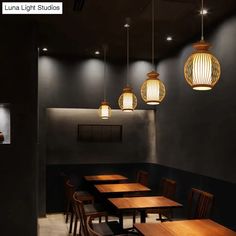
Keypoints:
pixel 202 23
pixel 104 86
pixel 153 34
pixel 127 47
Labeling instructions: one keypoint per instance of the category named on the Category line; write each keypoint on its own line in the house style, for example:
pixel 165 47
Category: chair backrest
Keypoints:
pixel 80 214
pixel 70 190
pixel 142 177
pixel 200 204
pixel 168 187
pixel 90 228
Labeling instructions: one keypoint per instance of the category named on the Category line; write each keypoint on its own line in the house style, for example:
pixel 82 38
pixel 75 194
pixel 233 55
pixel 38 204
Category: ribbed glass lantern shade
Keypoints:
pixel 202 69
pixel 127 100
pixel 105 110
pixel 153 90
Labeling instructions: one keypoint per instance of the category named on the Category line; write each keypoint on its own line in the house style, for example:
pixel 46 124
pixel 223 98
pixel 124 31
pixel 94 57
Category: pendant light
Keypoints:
pixel 153 90
pixel 104 109
pixel 202 69
pixel 127 100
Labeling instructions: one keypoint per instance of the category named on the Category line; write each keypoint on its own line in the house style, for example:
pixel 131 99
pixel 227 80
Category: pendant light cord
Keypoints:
pixel 202 22
pixel 104 87
pixel 127 41
pixel 153 34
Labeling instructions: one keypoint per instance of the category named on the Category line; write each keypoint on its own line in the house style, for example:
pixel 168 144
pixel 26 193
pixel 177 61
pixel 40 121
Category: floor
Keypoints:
pixel 54 224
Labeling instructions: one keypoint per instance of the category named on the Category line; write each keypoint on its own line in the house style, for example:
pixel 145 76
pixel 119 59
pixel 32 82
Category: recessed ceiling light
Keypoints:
pixel 203 12
pixel 45 49
pixel 96 52
pixel 169 38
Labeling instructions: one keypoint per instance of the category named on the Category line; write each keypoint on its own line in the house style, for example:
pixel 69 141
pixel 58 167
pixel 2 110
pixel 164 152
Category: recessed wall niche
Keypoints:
pixel 5 123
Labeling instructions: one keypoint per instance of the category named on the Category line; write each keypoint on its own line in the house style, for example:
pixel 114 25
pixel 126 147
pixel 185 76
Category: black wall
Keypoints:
pixel 18 76
pixel 196 130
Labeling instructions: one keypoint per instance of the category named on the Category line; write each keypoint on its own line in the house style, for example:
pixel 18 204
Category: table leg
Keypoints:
pixel 121 219
pixel 143 216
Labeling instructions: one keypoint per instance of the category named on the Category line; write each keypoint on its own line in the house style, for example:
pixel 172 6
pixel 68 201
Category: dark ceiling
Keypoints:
pixel 81 32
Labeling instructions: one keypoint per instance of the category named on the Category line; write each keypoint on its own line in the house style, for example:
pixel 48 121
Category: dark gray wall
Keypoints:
pixel 138 142
pixel 74 83
pixel 18 75
pixel 196 131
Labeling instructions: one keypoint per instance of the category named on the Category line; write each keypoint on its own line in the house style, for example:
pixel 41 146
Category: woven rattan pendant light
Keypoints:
pixel 127 100
pixel 153 90
pixel 202 69
pixel 104 109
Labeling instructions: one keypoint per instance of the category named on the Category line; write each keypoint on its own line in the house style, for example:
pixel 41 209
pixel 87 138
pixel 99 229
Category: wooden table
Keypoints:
pixel 142 204
pixel 121 188
pixel 184 228
pixel 105 178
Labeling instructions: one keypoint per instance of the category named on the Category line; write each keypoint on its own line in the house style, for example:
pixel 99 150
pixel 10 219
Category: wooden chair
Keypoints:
pixel 82 211
pixel 168 189
pixel 142 177
pixel 69 191
pixel 111 228
pixel 199 204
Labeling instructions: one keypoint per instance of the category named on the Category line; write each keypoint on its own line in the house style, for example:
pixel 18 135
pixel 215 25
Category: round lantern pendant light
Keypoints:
pixel 104 109
pixel 202 69
pixel 153 90
pixel 127 100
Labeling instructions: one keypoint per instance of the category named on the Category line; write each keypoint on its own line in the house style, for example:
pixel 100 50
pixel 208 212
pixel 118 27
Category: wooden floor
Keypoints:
pixel 54 224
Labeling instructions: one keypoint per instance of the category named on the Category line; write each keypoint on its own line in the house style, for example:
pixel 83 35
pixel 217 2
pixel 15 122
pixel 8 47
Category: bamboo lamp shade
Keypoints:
pixel 127 100
pixel 202 69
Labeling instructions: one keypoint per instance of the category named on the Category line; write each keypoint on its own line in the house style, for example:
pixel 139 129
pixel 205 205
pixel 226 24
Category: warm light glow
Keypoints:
pixel 127 100
pixel 203 12
pixel 169 38
pixel 45 49
pixel 202 69
pixel 96 52
pixel 152 89
pixel 104 111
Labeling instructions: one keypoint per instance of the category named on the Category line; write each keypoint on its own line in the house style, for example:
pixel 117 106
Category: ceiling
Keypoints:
pixel 80 32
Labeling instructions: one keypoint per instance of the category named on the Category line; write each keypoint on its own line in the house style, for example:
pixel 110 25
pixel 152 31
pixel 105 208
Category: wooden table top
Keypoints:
pixel 204 227
pixel 143 202
pixel 105 177
pixel 121 188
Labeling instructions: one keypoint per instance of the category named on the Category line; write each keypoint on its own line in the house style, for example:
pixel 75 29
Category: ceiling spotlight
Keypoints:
pixel 96 52
pixel 169 38
pixel 203 12
pixel 45 49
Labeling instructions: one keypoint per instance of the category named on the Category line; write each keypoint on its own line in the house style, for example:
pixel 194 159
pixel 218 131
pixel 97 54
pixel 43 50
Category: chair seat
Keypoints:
pixel 84 196
pixel 109 228
pixel 94 208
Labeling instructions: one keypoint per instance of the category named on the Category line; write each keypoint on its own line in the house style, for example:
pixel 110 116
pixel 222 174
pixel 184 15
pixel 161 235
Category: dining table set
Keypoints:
pixel 125 197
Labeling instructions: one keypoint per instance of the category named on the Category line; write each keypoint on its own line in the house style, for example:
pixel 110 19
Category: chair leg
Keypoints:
pixel 71 221
pixel 75 226
pixel 67 211
pixel 100 219
pixel 160 217
pixel 134 217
